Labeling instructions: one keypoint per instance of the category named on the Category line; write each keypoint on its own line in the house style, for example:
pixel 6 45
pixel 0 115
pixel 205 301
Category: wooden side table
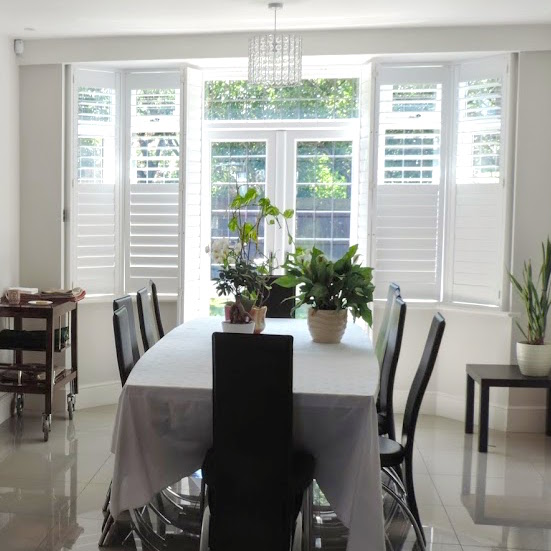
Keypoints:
pixel 50 378
pixel 492 375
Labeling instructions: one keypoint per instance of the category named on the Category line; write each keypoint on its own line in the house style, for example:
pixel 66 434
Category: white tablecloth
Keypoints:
pixel 164 420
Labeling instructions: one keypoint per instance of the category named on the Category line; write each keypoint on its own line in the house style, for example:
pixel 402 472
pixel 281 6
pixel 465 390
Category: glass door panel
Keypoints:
pixel 323 187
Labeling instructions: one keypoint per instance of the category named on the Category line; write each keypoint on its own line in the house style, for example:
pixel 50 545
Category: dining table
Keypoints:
pixel 163 426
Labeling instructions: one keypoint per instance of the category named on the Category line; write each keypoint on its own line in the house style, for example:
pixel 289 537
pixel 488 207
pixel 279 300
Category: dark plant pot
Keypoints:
pixel 278 306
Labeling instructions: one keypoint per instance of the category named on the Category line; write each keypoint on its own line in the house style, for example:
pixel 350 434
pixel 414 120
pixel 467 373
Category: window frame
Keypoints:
pixel 490 67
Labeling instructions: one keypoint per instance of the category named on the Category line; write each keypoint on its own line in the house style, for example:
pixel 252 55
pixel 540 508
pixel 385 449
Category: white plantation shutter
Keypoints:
pixel 95 183
pixel 192 299
pixel 152 218
pixel 478 187
pixel 409 186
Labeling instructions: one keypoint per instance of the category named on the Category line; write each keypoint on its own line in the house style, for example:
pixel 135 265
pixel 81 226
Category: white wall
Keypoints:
pixel 9 184
pixel 532 200
pixel 99 381
pixel 471 336
pixel 42 174
pixel 332 42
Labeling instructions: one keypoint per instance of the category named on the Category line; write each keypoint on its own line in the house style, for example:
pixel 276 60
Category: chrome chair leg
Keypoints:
pixel 105 507
pixel 391 473
pixel 204 541
pixel 403 505
pixel 307 513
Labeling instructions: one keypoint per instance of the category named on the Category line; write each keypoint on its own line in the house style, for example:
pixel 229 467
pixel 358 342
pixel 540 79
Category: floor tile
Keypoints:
pixel 501 535
pixel 23 532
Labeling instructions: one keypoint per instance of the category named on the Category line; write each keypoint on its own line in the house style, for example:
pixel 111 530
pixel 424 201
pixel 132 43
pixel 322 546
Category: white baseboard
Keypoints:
pixel 89 396
pixel 102 394
pixel 501 417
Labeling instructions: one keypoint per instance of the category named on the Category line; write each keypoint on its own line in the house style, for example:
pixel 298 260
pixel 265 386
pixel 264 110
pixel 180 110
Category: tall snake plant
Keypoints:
pixel 535 296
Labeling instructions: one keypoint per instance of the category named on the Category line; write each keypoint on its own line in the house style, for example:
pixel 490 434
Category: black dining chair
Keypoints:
pixel 395 331
pixel 382 336
pixel 157 309
pixel 126 302
pixel 255 479
pixel 147 319
pixel 279 301
pixel 394 455
pixel 123 343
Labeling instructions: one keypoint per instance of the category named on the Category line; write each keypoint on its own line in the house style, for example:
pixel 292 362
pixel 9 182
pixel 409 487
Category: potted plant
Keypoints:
pixel 246 271
pixel 240 321
pixel 533 355
pixel 331 289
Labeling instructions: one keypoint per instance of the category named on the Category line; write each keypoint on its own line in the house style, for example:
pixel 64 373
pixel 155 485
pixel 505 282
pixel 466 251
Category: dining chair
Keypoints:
pixel 382 336
pixel 126 302
pixel 157 309
pixel 146 317
pixel 123 343
pixel 279 301
pixel 255 479
pixel 394 455
pixel 395 331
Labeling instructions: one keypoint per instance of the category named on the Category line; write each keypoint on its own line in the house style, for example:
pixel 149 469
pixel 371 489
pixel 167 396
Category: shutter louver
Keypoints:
pixel 153 217
pixel 477 268
pixel 194 294
pixel 96 191
pixel 408 189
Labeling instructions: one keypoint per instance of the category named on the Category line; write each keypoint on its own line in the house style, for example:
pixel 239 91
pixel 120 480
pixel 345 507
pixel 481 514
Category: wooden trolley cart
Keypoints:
pixel 22 377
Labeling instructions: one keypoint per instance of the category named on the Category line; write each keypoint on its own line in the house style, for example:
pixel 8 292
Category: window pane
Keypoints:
pixel 235 167
pixel 323 195
pixel 95 189
pixel 152 252
pixel 313 99
pixel 479 132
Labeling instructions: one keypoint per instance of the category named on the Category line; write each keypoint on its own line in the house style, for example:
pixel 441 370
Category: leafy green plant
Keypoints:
pixel 327 285
pixel 242 275
pixel 535 296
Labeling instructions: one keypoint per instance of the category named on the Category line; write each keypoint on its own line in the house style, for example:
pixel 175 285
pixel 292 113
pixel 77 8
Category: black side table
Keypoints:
pixel 488 375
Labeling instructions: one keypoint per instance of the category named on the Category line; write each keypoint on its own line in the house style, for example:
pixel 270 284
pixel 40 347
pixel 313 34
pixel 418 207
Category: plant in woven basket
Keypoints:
pixel 326 285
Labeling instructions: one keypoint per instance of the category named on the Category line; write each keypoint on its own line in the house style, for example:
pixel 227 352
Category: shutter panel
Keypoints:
pixel 478 196
pixel 193 303
pixel 152 214
pixel 366 121
pixel 408 213
pixel 95 192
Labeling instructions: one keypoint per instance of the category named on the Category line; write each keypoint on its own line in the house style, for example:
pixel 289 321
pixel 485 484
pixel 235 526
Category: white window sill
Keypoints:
pixel 108 299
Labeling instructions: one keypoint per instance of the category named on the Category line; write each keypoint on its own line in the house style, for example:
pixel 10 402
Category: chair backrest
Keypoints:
pixel 123 344
pixel 421 380
pixel 396 323
pixel 382 337
pixel 146 317
pixel 252 435
pixel 278 301
pixel 126 302
pixel 156 307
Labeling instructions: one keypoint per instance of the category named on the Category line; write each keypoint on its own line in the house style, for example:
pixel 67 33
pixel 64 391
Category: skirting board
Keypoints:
pixel 503 418
pixel 89 396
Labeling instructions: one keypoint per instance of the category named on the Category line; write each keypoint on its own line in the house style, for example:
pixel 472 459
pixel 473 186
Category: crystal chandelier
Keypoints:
pixel 275 59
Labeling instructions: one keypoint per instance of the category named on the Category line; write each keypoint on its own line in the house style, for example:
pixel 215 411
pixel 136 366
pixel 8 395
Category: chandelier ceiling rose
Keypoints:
pixel 275 59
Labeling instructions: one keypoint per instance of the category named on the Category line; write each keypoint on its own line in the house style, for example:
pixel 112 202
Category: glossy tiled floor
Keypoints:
pixel 51 493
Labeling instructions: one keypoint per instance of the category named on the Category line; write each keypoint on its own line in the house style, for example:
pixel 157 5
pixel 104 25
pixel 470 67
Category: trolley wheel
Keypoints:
pixel 19 404
pixel 46 426
pixel 71 406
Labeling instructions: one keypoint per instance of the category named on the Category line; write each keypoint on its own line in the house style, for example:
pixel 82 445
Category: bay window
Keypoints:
pixel 409 161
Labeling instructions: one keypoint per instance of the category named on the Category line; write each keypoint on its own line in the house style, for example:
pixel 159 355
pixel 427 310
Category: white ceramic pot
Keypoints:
pixel 327 326
pixel 534 360
pixel 247 328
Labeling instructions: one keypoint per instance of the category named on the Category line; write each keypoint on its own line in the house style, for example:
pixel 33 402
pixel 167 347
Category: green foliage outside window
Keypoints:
pixel 314 99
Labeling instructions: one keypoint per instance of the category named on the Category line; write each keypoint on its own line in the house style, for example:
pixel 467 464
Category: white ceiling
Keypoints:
pixel 74 18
